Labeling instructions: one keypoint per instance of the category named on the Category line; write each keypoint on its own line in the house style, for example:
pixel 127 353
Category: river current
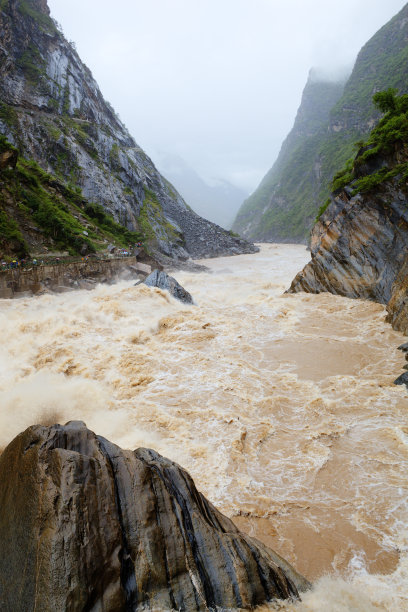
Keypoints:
pixel 281 407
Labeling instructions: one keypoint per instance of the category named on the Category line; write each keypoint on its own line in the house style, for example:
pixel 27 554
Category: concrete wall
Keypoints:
pixel 63 277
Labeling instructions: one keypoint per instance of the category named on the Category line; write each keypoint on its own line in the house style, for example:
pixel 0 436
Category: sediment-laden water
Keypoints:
pixel 282 407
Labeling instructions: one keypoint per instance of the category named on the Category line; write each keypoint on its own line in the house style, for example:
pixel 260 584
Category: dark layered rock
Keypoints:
pixel 162 280
pixel 85 525
pixel 51 108
pixel 358 247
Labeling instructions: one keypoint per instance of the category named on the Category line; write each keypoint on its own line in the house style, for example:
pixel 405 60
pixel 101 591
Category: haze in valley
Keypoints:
pixel 216 82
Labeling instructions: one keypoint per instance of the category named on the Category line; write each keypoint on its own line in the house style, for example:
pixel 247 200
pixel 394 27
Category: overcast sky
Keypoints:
pixel 217 82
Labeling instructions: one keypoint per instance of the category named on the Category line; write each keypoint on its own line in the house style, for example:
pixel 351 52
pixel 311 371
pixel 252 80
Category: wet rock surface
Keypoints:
pixel 358 247
pixel 359 250
pixel 59 278
pixel 85 525
pixel 162 280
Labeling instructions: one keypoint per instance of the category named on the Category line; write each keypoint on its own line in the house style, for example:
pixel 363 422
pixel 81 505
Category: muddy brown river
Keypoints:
pixel 282 408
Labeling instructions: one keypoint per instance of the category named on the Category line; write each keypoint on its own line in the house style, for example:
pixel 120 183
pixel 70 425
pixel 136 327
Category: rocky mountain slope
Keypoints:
pixel 284 206
pixel 360 243
pixel 51 109
pixel 88 526
pixel 218 202
pixel 40 212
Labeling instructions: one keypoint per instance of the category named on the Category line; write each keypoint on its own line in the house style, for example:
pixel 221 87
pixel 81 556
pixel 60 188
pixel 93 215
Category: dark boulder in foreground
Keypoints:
pixel 163 281
pixel 85 525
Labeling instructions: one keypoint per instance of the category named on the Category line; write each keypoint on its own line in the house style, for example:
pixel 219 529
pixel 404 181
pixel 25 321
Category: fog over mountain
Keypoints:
pixel 218 201
pixel 217 83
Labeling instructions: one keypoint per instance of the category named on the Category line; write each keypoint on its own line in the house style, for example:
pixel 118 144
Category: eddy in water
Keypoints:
pixel 282 407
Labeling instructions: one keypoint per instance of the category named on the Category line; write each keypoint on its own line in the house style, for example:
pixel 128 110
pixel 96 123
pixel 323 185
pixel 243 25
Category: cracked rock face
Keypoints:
pixel 85 525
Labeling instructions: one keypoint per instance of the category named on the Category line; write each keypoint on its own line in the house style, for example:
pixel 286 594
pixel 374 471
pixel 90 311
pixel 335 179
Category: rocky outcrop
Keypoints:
pixel 358 246
pixel 85 525
pixel 52 109
pixel 359 249
pixel 163 281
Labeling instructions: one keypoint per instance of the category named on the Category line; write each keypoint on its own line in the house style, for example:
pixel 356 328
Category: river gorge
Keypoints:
pixel 281 407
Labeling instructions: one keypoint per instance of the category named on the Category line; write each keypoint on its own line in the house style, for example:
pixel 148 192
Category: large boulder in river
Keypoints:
pixel 163 281
pixel 85 525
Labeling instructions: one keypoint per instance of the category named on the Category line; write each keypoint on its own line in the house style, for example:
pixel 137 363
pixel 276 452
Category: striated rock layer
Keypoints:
pixel 85 525
pixel 51 108
pixel 359 250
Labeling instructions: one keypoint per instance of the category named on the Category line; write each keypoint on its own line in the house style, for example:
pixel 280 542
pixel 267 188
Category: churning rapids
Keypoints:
pixel 282 408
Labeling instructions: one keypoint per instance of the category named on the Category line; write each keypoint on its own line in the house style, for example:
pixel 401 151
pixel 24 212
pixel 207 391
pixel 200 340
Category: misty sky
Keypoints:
pixel 217 82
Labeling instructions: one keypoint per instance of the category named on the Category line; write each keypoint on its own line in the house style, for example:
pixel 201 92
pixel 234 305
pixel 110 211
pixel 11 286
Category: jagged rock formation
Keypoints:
pixel 359 245
pixel 359 248
pixel 286 203
pixel 85 525
pixel 163 281
pixel 52 110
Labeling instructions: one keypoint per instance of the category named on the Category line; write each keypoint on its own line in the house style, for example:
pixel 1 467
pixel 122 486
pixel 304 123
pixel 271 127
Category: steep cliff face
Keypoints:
pixel 360 243
pixel 39 212
pixel 286 203
pixel 85 525
pixel 52 110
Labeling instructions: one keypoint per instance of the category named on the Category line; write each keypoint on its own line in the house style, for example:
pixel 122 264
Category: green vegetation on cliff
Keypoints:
pixel 285 205
pixel 38 209
pixel 28 9
pixel 384 154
